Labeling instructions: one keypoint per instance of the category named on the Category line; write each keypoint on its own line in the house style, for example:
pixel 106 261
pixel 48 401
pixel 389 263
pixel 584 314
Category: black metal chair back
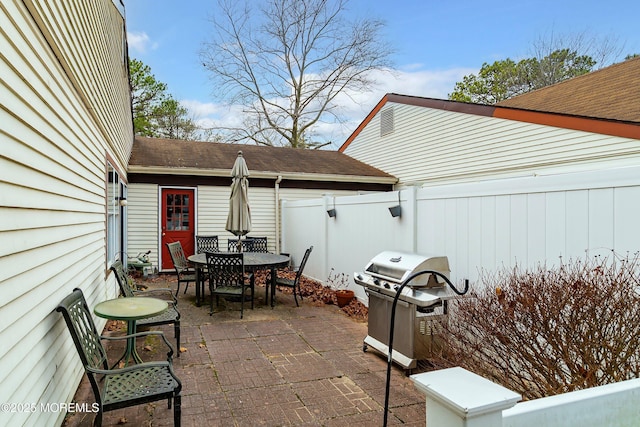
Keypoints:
pixel 84 333
pixel 295 283
pixel 302 264
pixel 227 278
pixel 207 244
pixel 234 244
pixel 259 244
pixel 124 281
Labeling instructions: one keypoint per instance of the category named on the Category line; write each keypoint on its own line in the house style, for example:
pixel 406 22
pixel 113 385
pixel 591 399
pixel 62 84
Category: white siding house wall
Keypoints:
pixel 483 225
pixel 211 214
pixel 432 146
pixel 59 121
pixel 142 220
pixel 213 207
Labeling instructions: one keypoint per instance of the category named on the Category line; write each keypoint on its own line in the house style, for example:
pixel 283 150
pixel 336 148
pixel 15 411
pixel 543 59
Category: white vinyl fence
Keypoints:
pixel 482 225
pixel 456 397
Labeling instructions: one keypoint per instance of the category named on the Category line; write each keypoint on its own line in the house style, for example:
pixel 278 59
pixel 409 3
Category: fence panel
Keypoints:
pixel 476 225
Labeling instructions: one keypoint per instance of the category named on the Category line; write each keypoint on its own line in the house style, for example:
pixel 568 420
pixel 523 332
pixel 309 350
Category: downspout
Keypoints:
pixel 277 201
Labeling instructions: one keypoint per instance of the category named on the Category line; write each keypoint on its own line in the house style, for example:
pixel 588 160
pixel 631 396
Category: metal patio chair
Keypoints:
pixel 118 388
pixel 247 245
pixel 171 316
pixel 258 244
pixel 185 273
pixel 294 284
pixel 128 288
pixel 207 244
pixel 227 279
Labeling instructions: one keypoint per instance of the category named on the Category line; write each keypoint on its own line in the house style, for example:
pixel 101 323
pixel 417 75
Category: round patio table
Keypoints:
pixel 252 261
pixel 130 310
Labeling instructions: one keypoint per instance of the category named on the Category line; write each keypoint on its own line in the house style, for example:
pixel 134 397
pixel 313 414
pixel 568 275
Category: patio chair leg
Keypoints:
pixel 177 411
pixel 176 331
pixel 97 421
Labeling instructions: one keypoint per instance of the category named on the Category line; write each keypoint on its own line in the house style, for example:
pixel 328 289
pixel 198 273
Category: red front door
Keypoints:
pixel 177 222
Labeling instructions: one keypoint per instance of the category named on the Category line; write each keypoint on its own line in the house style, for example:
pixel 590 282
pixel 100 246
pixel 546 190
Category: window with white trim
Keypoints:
pixel 116 192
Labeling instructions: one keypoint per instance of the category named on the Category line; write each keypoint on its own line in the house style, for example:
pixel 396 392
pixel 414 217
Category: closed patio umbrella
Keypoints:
pixel 239 219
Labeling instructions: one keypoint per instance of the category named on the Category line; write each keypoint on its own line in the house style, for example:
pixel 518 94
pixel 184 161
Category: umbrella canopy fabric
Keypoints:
pixel 239 218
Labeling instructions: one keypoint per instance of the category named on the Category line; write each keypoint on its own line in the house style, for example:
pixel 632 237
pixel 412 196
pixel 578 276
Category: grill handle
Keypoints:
pixel 393 318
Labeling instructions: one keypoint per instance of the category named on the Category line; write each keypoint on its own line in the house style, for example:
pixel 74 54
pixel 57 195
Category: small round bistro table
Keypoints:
pixel 130 310
pixel 252 261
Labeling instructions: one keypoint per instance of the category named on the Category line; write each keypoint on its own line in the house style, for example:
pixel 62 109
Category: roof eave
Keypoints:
pixel 163 170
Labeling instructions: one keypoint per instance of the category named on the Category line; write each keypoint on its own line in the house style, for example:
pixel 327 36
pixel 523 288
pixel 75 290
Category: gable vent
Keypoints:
pixel 386 121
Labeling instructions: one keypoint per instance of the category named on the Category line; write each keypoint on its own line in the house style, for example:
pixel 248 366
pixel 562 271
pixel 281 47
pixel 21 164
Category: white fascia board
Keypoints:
pixel 154 170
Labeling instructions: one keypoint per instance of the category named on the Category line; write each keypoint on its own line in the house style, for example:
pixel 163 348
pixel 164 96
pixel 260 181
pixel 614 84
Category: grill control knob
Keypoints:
pixel 386 285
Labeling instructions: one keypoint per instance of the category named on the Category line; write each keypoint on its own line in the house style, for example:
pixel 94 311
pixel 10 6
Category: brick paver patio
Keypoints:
pixel 287 366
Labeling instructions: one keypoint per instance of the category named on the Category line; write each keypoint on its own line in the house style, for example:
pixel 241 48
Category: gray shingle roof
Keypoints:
pixel 609 93
pixel 176 154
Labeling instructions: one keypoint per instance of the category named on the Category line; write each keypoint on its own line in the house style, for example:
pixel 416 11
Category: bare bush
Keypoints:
pixel 549 331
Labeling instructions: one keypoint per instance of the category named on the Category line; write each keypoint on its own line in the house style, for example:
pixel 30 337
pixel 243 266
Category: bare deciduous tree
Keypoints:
pixel 287 62
pixel 603 50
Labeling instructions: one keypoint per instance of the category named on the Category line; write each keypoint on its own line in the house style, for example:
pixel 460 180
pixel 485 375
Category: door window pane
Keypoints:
pixel 177 212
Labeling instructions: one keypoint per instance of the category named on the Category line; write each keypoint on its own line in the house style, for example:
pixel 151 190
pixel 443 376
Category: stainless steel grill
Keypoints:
pixel 420 309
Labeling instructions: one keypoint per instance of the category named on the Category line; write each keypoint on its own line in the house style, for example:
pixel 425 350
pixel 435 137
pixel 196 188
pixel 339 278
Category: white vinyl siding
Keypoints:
pixel 431 146
pixel 89 43
pixel 54 143
pixel 142 221
pixel 211 215
pixel 263 214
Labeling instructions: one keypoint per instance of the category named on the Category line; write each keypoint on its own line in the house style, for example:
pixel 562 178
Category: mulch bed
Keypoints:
pixel 315 292
pixel 311 290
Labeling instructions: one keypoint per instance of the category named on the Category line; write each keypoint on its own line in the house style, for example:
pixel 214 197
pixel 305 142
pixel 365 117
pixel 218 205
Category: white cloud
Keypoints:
pixel 413 82
pixel 139 42
pixel 201 109
pixel 210 114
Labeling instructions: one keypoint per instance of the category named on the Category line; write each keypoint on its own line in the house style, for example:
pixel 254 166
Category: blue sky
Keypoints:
pixel 437 42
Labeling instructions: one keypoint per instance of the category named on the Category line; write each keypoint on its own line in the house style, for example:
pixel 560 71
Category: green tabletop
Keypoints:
pixel 131 308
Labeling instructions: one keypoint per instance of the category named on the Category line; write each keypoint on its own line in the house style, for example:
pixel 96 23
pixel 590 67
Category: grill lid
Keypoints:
pixel 395 267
